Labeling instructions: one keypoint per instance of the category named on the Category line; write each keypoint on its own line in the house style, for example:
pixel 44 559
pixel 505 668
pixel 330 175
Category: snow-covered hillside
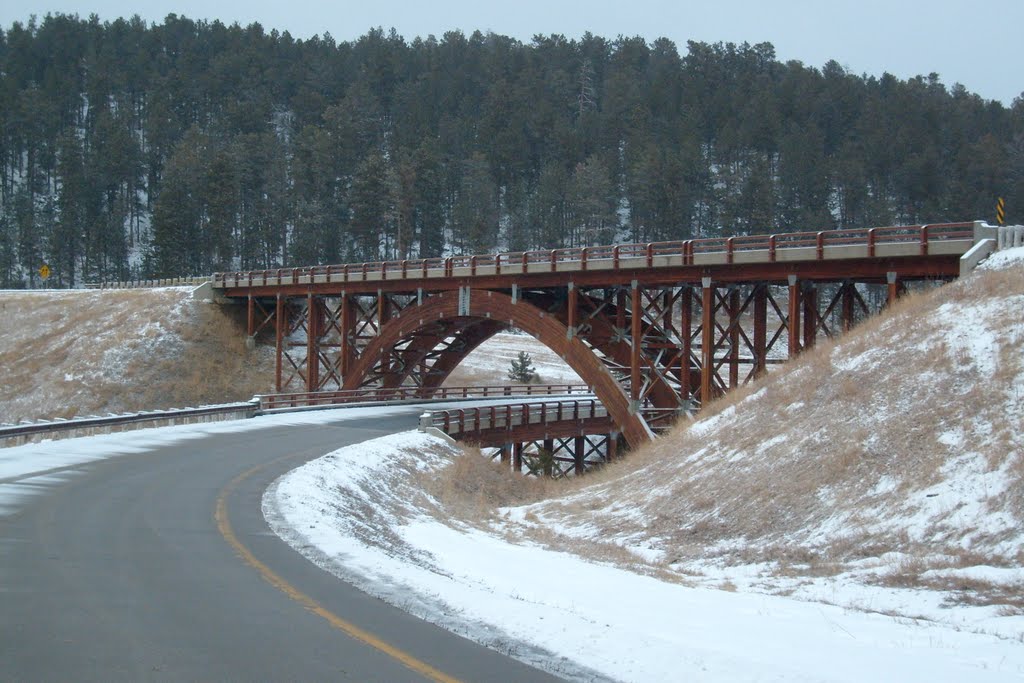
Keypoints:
pixel 66 353
pixel 858 515
pixel 69 353
pixel 490 362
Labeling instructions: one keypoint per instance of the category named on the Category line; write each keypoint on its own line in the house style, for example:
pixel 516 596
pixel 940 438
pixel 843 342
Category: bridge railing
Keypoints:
pixel 382 394
pixel 802 245
pixel 464 421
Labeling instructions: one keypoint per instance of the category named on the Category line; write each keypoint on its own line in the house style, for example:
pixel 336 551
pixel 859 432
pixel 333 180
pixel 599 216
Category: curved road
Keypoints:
pixel 125 572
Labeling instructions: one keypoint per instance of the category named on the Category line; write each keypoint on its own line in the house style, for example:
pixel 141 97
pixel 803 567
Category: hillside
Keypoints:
pixel 79 352
pixel 892 461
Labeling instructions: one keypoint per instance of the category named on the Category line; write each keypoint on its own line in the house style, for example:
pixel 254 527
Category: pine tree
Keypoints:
pixel 522 370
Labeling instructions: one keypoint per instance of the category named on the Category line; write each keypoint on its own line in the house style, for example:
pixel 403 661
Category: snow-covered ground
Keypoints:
pixel 490 362
pixel 877 539
pixel 359 513
pixel 71 353
pixel 582 619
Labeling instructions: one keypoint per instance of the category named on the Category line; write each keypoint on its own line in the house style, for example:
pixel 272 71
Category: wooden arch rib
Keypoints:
pixel 544 327
pixel 603 337
pixel 468 334
pixel 472 337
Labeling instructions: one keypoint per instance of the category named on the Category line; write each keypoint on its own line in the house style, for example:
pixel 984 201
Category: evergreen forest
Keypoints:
pixel 135 150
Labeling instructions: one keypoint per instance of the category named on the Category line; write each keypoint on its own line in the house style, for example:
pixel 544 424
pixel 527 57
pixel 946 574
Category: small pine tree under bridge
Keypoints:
pixel 522 370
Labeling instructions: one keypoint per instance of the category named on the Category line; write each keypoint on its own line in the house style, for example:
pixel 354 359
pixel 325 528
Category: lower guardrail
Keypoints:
pixel 15 435
pixel 269 402
pixel 462 421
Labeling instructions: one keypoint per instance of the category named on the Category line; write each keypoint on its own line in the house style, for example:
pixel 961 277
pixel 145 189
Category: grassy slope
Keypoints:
pixel 68 353
pixel 86 352
pixel 885 471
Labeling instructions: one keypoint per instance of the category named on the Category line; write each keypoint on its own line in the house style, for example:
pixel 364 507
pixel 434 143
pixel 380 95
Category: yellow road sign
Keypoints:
pixel 44 271
pixel 1000 211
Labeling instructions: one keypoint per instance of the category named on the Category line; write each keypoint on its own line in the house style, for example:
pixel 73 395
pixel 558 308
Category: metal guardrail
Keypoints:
pixel 268 402
pixel 194 281
pixel 13 435
pixel 772 248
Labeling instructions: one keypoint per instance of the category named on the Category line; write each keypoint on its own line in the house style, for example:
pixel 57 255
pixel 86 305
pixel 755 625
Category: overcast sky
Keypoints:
pixel 977 43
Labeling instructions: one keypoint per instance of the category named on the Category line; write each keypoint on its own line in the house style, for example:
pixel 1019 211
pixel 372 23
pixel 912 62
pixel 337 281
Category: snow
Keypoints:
pixel 624 625
pixel 1003 259
pixel 490 362
pixel 522 598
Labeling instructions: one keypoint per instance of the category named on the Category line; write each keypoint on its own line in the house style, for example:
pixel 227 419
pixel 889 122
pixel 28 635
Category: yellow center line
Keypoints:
pixel 274 579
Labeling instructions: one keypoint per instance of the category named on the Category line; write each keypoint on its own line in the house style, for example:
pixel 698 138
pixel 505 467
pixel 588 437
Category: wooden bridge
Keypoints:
pixel 653 329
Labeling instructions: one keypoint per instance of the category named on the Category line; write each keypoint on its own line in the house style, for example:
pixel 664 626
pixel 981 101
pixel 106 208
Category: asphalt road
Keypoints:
pixel 122 573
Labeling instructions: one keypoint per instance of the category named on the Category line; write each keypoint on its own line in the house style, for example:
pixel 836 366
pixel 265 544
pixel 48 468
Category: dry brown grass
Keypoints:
pixel 927 572
pixel 473 487
pixel 80 353
pixel 820 442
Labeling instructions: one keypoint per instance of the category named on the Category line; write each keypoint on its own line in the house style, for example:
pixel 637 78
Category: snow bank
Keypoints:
pixel 352 514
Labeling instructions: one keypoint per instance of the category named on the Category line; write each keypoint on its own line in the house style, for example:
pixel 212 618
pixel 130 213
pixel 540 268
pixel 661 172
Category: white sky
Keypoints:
pixel 975 43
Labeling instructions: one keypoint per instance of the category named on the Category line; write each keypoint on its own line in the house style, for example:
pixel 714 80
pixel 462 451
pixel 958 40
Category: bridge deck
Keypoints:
pixel 915 251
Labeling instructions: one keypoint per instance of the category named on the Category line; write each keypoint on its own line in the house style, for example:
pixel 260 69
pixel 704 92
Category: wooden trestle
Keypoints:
pixel 653 329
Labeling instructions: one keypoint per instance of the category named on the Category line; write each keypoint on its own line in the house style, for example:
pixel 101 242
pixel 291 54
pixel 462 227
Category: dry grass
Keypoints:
pixel 473 487
pixel 90 352
pixel 848 437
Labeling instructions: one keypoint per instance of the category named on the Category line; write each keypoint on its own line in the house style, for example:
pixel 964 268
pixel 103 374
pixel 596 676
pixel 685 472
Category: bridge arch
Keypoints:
pixel 489 312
